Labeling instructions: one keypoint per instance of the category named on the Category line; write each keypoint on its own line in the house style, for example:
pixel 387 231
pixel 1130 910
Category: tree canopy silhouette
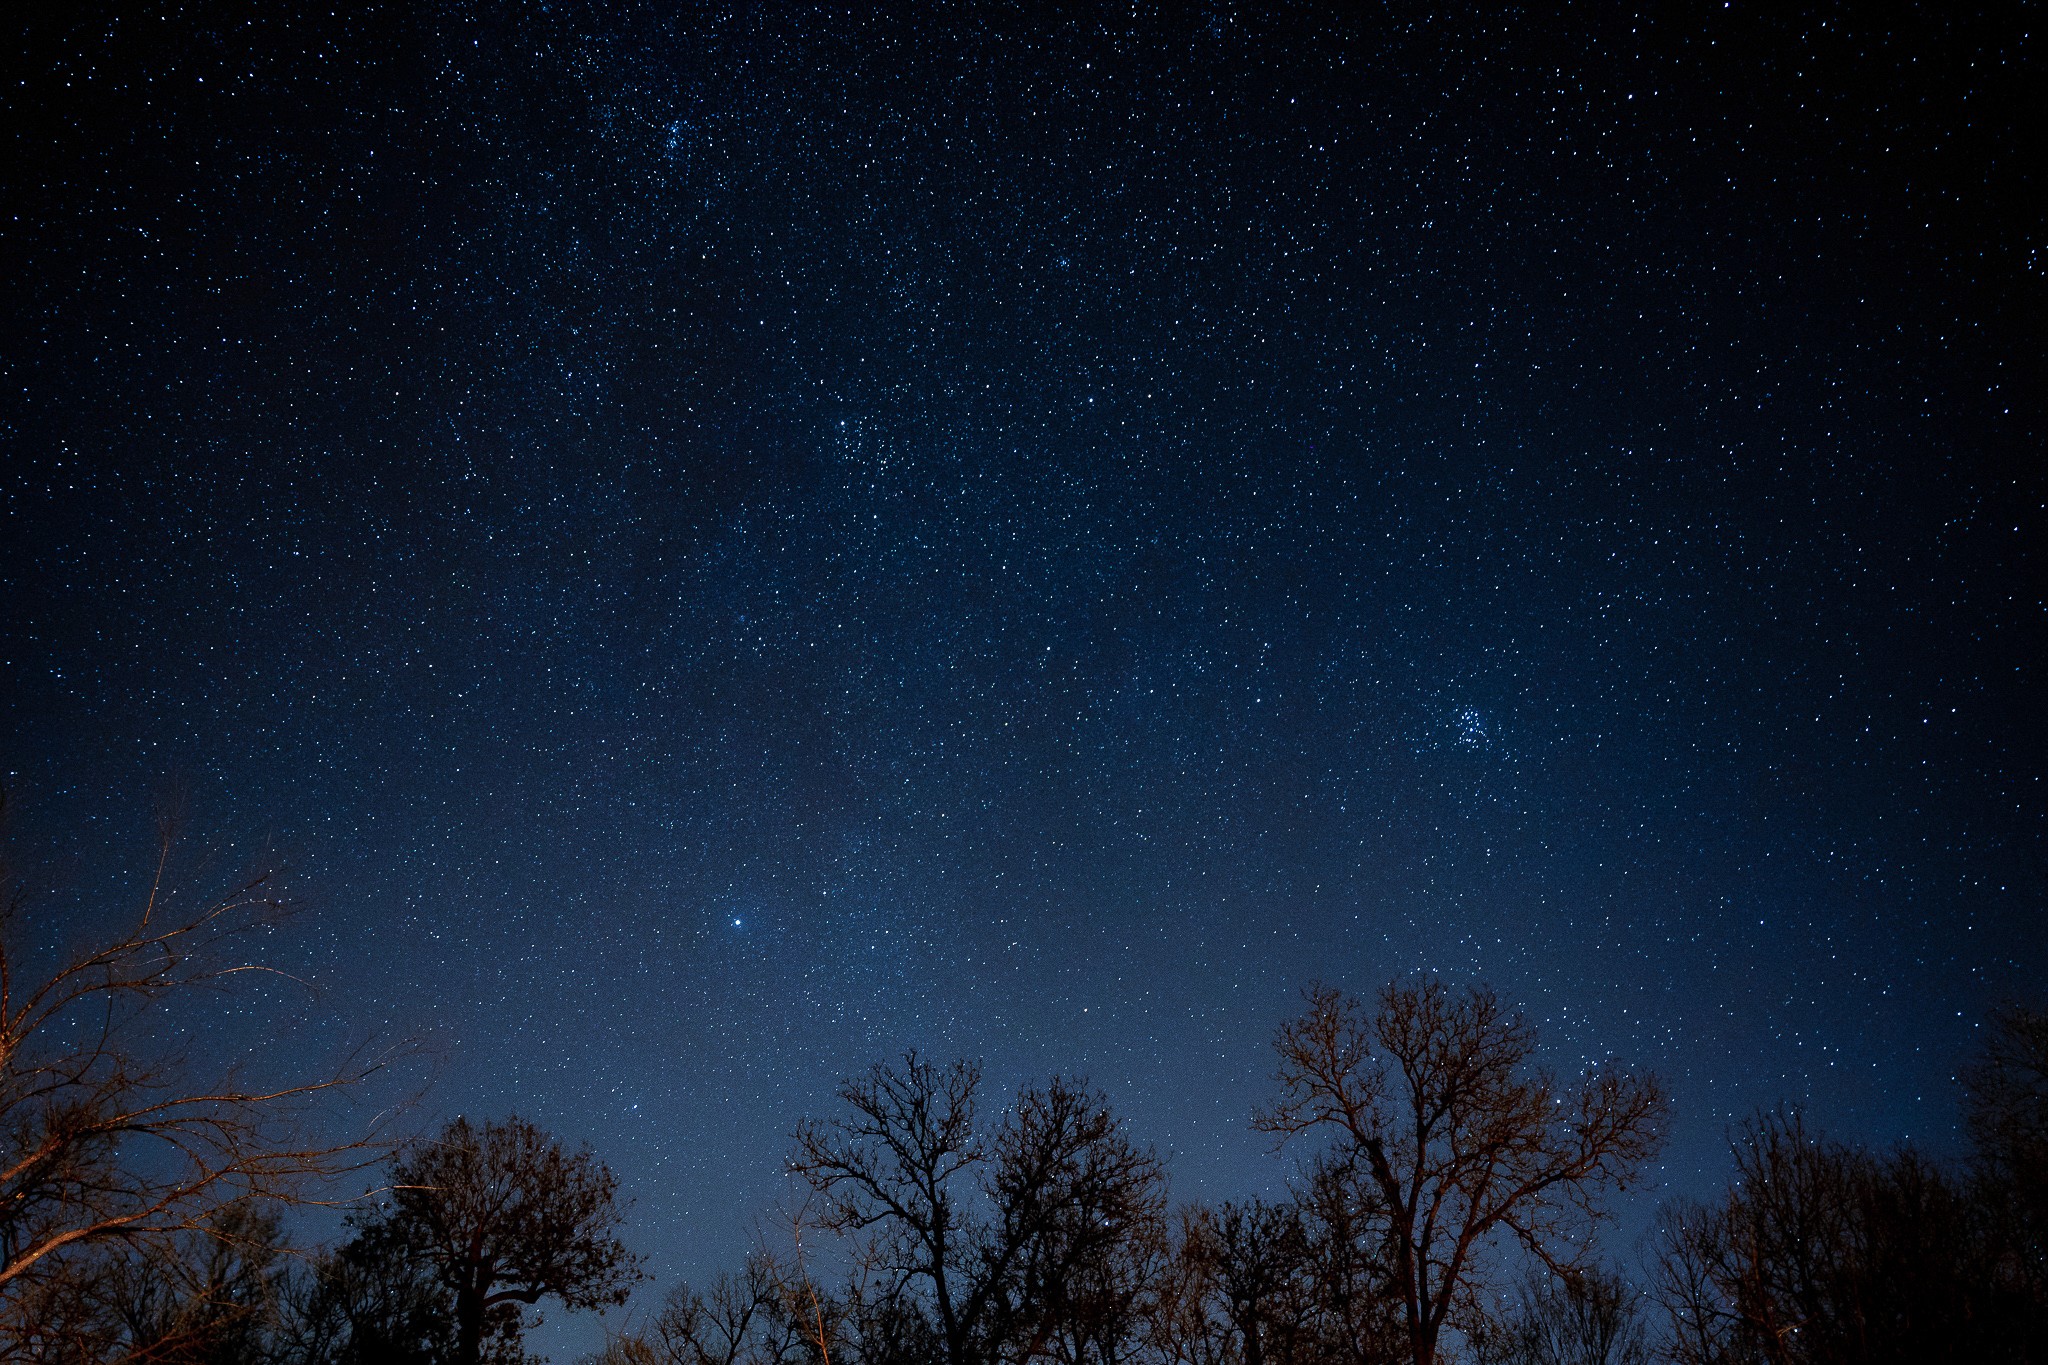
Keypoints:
pixel 1454 1139
pixel 504 1217
pixel 997 1242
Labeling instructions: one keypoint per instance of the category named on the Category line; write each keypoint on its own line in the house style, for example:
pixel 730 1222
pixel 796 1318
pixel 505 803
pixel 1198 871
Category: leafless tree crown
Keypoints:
pixel 110 1138
pixel 1458 1139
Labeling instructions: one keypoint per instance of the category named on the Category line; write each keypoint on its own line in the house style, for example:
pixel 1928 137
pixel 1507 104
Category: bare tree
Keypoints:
pixel 2005 1112
pixel 1251 1263
pixel 1183 1327
pixel 1357 1311
pixel 1701 1325
pixel 2006 1084
pixel 754 1317
pixel 1458 1139
pixel 362 1304
pixel 1592 1318
pixel 1825 1254
pixel 1002 1243
pixel 898 1166
pixel 1079 1215
pixel 212 1298
pixel 109 1138
pixel 1761 1277
pixel 505 1217
pixel 1294 1283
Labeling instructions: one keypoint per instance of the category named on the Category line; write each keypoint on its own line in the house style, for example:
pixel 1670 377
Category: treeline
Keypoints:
pixel 1448 1194
pixel 1449 1215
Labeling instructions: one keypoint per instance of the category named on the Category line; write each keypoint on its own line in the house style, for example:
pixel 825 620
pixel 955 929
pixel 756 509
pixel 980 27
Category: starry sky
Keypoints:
pixel 725 542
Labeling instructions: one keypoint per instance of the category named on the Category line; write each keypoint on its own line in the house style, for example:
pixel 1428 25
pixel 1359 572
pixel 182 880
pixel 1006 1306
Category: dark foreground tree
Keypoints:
pixel 1254 1265
pixel 1456 1140
pixel 1274 1284
pixel 368 1303
pixel 756 1316
pixel 1593 1318
pixel 502 1217
pixel 2005 1112
pixel 208 1298
pixel 983 1248
pixel 1823 1254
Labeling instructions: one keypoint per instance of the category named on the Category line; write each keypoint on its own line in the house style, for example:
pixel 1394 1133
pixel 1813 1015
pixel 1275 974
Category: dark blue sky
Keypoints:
pixel 726 546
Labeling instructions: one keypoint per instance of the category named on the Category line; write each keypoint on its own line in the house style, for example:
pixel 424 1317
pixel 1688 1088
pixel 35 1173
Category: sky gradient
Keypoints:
pixel 725 545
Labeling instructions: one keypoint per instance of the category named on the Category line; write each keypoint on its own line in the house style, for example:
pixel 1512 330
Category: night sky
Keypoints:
pixel 725 543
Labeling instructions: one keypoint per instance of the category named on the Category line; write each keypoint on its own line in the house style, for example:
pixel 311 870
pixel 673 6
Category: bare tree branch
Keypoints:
pixel 1459 1139
pixel 107 1137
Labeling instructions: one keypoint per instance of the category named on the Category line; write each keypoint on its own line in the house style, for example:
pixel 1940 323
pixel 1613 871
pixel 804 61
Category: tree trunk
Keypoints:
pixel 1427 1327
pixel 469 1326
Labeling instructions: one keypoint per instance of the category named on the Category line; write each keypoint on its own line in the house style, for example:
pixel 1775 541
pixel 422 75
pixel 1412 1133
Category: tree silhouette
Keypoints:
pixel 110 1141
pixel 1593 1318
pixel 1294 1283
pixel 205 1298
pixel 1823 1254
pixel 1455 1138
pixel 364 1303
pixel 504 1218
pixel 1240 1289
pixel 748 1318
pixel 1001 1243
pixel 2005 1112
